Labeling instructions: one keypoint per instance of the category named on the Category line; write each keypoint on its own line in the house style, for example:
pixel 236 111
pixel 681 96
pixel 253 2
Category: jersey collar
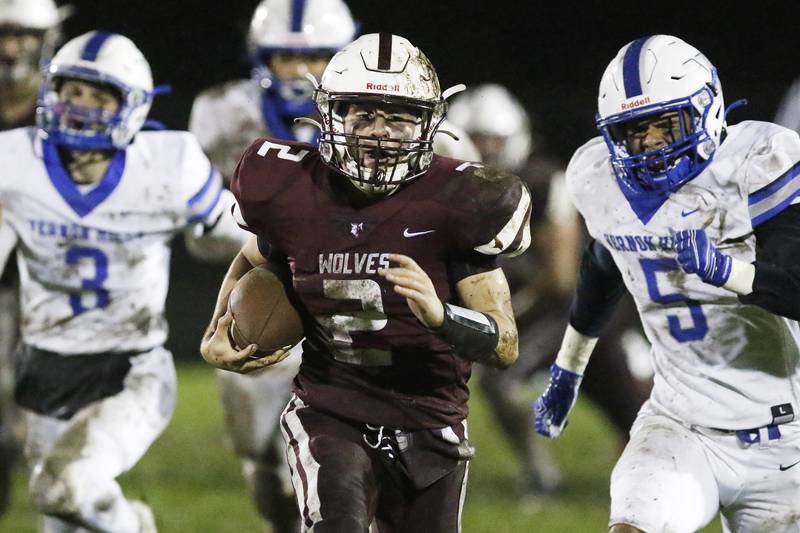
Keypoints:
pixel 82 204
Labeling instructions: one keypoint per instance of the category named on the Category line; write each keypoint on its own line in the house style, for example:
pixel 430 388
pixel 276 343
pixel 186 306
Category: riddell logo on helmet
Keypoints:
pixel 382 87
pixel 636 103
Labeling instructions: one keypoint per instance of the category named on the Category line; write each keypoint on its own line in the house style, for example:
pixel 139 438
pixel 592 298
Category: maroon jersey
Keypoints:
pixel 366 357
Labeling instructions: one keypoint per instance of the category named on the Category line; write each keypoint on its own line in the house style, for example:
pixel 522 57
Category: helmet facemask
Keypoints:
pixel 687 150
pixel 377 165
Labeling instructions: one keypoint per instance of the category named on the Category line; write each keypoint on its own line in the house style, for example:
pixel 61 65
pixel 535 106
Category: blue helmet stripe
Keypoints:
pixel 298 10
pixel 94 44
pixel 630 68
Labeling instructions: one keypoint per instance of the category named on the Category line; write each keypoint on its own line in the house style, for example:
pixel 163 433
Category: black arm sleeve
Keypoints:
pixel 776 286
pixel 470 264
pixel 599 289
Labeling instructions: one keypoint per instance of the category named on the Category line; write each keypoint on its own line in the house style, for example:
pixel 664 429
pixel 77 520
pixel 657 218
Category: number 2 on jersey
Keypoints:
pixel 370 318
pixel 95 284
pixel 699 326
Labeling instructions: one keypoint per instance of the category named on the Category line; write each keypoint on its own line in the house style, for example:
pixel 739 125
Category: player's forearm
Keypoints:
pixel 597 292
pixel 490 338
pixel 507 350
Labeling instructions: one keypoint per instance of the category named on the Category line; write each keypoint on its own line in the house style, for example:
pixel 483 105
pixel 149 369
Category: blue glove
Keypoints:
pixel 552 407
pixel 698 255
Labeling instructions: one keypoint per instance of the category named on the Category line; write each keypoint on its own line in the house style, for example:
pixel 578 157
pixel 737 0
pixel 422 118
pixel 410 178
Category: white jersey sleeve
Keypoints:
pixel 201 185
pixel 211 232
pixel 226 119
pixel 586 163
pixel 771 176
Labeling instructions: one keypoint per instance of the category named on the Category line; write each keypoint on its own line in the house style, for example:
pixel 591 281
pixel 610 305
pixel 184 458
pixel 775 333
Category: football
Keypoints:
pixel 262 313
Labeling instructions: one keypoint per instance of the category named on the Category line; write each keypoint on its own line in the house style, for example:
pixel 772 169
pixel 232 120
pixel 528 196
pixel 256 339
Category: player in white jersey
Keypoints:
pixel 700 222
pixel 288 39
pixel 94 210
pixel 28 29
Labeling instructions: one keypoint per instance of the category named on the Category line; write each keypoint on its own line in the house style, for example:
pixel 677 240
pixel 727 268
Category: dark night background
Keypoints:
pixel 550 54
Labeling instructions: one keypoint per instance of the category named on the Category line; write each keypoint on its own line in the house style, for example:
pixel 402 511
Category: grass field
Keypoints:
pixel 192 480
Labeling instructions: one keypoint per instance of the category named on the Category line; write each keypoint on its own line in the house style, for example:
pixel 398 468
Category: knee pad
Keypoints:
pixel 58 488
pixel 50 492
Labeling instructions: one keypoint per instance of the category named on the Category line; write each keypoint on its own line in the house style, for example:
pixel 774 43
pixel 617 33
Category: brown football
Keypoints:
pixel 262 313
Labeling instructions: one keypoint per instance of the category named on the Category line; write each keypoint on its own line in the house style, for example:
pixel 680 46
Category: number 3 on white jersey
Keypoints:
pixel 95 284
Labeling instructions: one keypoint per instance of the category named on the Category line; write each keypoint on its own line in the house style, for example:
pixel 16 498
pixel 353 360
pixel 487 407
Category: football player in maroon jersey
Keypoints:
pixel 390 252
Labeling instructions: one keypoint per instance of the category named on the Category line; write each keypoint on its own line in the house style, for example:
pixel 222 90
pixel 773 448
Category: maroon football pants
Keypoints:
pixel 344 481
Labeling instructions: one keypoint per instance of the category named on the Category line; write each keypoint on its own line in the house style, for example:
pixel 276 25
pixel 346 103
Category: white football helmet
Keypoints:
pixel 386 69
pixel 295 27
pixel 651 76
pixel 491 110
pixel 39 18
pixel 105 58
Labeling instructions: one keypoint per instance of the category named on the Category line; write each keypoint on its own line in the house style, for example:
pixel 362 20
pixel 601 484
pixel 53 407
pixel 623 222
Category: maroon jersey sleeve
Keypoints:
pixel 266 170
pixel 491 210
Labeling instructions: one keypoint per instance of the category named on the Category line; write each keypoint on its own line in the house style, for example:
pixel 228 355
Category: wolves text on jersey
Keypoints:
pixel 352 263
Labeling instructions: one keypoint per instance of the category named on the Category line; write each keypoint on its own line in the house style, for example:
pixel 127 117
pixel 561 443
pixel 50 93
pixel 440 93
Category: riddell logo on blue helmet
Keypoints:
pixel 635 103
pixel 382 86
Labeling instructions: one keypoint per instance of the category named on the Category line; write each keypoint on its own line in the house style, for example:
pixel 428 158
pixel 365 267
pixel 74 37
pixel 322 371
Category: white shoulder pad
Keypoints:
pixel 515 237
pixel 773 166
pixel 586 165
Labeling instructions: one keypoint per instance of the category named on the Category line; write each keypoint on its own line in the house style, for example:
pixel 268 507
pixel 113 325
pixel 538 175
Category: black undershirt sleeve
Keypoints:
pixel 599 289
pixel 776 286
pixel 470 264
pixel 277 262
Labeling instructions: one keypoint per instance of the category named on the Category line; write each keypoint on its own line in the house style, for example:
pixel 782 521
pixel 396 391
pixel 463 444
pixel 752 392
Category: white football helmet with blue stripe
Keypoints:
pixel 108 59
pixel 295 27
pixel 648 77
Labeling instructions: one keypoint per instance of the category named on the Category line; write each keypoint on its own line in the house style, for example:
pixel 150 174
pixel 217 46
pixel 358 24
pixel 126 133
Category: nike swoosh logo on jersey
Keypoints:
pixel 687 213
pixel 783 468
pixel 407 233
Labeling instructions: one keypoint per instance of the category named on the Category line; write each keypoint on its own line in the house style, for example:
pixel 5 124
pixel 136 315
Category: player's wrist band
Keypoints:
pixel 472 334
pixel 741 277
pixel 576 348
